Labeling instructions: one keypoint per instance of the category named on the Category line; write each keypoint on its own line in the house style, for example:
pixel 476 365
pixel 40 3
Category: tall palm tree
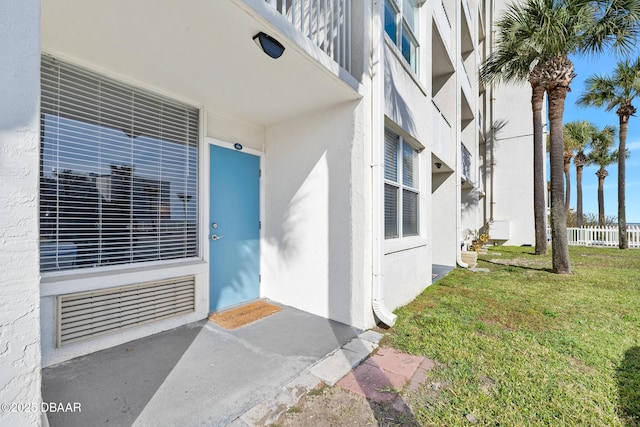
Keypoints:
pixel 580 160
pixel 509 63
pixel 577 136
pixel 602 155
pixel 547 31
pixel 617 91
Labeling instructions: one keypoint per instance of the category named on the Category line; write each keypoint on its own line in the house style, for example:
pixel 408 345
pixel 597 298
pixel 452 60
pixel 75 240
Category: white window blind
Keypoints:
pixel 118 172
pixel 400 187
pixel 391 187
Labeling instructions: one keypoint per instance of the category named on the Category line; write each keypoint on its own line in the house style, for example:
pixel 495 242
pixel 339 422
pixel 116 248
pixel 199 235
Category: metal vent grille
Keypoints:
pixel 86 315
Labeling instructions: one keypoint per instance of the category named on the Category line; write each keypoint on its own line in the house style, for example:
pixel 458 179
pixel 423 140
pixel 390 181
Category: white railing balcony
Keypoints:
pixel 442 141
pixel 326 22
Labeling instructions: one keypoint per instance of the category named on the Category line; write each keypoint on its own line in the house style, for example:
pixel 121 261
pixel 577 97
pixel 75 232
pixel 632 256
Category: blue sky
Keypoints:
pixel 604 65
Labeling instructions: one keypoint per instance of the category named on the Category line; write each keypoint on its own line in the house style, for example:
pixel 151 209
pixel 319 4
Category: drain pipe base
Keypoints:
pixel 383 314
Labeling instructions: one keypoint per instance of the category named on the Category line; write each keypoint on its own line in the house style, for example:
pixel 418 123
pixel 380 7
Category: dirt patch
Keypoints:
pixel 330 407
pixel 519 262
pixel 486 384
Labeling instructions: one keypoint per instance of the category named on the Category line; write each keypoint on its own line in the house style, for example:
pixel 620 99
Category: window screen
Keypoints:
pixel 118 172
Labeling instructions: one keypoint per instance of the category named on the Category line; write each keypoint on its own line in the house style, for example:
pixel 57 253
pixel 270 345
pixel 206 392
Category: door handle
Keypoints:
pixel 216 237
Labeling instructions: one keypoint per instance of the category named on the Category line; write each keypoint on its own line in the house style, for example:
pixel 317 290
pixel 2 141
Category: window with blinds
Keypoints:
pixel 400 187
pixel 118 172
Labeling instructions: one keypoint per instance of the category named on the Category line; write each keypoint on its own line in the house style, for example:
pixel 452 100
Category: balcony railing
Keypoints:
pixel 325 22
pixel 466 164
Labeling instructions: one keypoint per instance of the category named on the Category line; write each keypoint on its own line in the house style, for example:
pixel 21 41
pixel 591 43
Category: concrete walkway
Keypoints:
pixel 439 271
pixel 203 375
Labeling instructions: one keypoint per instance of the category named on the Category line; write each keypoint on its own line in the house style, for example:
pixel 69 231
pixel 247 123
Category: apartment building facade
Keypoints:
pixel 161 162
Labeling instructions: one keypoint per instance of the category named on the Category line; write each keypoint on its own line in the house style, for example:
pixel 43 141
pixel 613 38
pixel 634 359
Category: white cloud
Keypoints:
pixel 633 145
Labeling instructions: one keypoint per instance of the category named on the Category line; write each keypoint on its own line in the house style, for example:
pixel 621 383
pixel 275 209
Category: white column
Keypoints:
pixel 19 244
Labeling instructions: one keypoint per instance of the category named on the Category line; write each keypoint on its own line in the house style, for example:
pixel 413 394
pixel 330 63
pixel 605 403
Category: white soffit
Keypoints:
pixel 201 50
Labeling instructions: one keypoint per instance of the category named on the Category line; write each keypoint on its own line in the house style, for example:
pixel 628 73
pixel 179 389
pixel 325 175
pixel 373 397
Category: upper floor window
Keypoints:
pixel 401 24
pixel 118 172
pixel 400 187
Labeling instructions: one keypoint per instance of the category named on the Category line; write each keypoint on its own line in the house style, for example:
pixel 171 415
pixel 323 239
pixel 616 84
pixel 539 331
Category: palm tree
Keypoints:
pixel 577 136
pixel 514 61
pixel 546 32
pixel 617 91
pixel 602 155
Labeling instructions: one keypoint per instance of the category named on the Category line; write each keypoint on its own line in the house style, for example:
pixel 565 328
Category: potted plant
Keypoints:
pixel 470 258
pixel 477 244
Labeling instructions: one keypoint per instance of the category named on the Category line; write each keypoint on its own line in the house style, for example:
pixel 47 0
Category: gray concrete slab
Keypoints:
pixel 196 375
pixel 371 336
pixel 329 370
pixel 440 271
pixel 337 365
pixel 362 346
pixel 268 412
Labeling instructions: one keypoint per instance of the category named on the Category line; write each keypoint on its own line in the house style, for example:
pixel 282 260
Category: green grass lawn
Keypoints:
pixel 520 346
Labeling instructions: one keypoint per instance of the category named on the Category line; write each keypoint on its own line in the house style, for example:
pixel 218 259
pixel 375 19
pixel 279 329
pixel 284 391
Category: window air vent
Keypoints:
pixel 86 315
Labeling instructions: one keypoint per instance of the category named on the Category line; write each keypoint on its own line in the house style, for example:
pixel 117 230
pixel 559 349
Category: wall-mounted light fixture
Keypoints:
pixel 269 45
pixel 438 165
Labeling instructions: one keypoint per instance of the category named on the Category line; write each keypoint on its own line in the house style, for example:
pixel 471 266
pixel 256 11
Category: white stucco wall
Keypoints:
pixel 407 261
pixel 513 157
pixel 406 103
pixel 444 209
pixel 307 246
pixel 19 150
pixel 509 183
pixel 408 109
pixel 406 274
pixel 230 129
pixel 471 218
pixel 362 213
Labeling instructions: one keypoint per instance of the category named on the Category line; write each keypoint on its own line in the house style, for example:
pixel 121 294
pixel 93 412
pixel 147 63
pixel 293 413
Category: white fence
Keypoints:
pixel 601 236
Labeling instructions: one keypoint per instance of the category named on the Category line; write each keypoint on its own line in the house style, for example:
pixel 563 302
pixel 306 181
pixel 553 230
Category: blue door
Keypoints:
pixel 234 228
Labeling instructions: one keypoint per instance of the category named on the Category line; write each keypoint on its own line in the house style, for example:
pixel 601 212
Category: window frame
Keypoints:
pixel 403 28
pixel 401 187
pixel 188 145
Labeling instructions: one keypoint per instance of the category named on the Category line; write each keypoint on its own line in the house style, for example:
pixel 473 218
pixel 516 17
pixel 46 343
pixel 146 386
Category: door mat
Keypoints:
pixel 241 316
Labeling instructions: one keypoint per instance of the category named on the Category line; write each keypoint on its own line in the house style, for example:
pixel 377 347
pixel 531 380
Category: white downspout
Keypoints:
pixel 377 165
pixel 458 206
pixel 458 143
pixel 491 105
